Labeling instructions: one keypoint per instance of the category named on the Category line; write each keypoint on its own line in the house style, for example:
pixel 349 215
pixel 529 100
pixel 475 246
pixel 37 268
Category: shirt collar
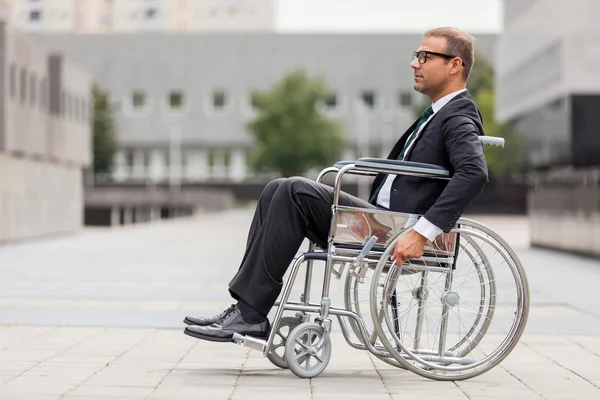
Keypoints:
pixel 444 100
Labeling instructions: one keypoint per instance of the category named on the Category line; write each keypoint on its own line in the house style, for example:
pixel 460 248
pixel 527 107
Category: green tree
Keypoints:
pixel 501 161
pixel 104 132
pixel 293 134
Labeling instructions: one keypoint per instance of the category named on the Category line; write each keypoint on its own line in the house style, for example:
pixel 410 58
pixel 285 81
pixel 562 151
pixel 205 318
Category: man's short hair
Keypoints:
pixel 459 44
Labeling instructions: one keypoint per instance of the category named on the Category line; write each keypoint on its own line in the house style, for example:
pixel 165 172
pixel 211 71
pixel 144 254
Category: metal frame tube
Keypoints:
pixel 420 301
pixel 444 321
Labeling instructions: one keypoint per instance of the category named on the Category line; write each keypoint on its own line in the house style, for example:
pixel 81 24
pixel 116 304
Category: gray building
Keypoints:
pixel 184 98
pixel 548 79
pixel 45 138
pixel 548 85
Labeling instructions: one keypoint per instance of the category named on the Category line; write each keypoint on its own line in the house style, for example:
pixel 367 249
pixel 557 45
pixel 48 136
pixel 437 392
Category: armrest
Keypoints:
pixel 340 164
pixel 406 167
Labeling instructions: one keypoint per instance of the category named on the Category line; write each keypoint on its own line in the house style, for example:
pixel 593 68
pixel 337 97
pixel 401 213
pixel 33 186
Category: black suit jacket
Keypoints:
pixel 450 139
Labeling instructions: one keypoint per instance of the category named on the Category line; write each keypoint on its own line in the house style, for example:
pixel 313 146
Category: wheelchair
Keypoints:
pixel 452 314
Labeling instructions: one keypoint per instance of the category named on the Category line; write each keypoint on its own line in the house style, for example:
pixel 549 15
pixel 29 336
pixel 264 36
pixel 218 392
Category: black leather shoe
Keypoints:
pixel 202 321
pixel 233 323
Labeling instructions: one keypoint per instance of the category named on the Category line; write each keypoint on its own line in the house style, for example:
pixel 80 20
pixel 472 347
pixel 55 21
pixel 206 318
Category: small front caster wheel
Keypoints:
pixel 301 353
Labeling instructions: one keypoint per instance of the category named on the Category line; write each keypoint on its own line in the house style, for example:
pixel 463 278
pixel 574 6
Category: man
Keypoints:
pixel 290 210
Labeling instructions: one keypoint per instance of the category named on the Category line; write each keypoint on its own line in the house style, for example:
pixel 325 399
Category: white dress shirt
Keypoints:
pixel 424 227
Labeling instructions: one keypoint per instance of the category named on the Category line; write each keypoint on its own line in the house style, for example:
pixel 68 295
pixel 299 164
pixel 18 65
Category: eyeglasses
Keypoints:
pixel 423 55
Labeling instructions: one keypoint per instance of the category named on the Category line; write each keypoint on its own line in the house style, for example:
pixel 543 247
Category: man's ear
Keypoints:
pixel 455 66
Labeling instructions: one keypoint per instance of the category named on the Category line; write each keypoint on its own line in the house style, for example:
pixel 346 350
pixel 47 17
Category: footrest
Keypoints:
pixel 249 341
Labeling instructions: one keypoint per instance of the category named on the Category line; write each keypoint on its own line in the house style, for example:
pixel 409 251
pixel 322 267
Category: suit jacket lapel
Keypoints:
pixel 393 155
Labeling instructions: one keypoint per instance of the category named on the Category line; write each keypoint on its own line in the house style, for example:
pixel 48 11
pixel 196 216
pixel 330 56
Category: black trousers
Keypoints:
pixel 288 211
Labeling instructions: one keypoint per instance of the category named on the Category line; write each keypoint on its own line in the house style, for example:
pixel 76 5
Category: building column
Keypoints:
pixel 138 170
pixel 115 216
pixel 154 213
pixel 120 173
pixel 127 215
pixel 237 168
pixel 219 169
pixel 158 165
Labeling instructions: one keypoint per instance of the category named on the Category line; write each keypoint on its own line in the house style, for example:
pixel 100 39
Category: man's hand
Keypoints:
pixel 408 247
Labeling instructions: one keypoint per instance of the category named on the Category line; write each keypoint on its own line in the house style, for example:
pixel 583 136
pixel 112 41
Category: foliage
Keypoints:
pixel 293 134
pixel 104 132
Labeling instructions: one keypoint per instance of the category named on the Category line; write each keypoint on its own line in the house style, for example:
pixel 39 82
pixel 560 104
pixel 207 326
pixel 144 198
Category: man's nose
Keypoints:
pixel 415 64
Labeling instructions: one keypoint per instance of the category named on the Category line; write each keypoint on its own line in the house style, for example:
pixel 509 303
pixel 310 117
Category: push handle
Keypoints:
pixel 492 141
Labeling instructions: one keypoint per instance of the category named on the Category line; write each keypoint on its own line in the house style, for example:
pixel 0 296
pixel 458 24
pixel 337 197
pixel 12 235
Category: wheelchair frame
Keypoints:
pixel 359 256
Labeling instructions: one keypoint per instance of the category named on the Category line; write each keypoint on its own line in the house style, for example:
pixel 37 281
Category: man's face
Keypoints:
pixel 432 76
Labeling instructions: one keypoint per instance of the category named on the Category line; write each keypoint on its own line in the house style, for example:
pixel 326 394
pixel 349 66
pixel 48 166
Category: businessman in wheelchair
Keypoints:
pixel 292 209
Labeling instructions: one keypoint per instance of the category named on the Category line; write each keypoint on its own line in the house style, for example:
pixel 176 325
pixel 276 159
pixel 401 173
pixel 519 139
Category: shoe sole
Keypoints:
pixel 208 337
pixel 188 322
pixel 216 338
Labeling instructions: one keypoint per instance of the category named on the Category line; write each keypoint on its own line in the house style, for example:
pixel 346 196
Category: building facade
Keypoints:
pixel 548 85
pixel 45 138
pixel 118 16
pixel 548 80
pixel 184 100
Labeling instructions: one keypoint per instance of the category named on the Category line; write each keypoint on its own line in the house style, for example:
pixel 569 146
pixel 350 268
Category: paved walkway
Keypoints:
pixel 98 315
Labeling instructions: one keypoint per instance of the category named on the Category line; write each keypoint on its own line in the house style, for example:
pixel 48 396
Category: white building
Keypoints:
pixel 45 138
pixel 108 16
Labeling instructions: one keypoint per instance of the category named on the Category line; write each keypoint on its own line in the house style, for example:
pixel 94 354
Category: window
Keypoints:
pixel 43 92
pixel 35 16
pixel 248 104
pixel 368 98
pixel 32 89
pixel 331 101
pixel 138 99
pixel 23 86
pixel 176 100
pixel 85 111
pixel 219 99
pixel 75 108
pixel 13 81
pixel 63 103
pixel 405 99
pixel 129 158
pixel 69 106
pixel 151 13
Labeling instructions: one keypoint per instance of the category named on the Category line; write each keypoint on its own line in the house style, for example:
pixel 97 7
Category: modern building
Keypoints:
pixel 548 85
pixel 184 99
pixel 45 137
pixel 548 79
pixel 118 16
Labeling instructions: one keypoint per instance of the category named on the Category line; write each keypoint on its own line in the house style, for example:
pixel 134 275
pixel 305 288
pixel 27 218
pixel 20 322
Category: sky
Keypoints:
pixel 377 16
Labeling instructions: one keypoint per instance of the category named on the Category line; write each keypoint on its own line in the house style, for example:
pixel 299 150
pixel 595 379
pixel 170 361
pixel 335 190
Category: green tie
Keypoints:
pixel 422 119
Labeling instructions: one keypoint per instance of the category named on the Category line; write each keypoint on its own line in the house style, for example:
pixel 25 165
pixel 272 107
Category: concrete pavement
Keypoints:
pixel 99 315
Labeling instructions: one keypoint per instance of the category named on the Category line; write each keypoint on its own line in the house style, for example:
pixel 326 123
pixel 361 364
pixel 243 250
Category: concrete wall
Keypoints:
pixel 566 215
pixel 38 198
